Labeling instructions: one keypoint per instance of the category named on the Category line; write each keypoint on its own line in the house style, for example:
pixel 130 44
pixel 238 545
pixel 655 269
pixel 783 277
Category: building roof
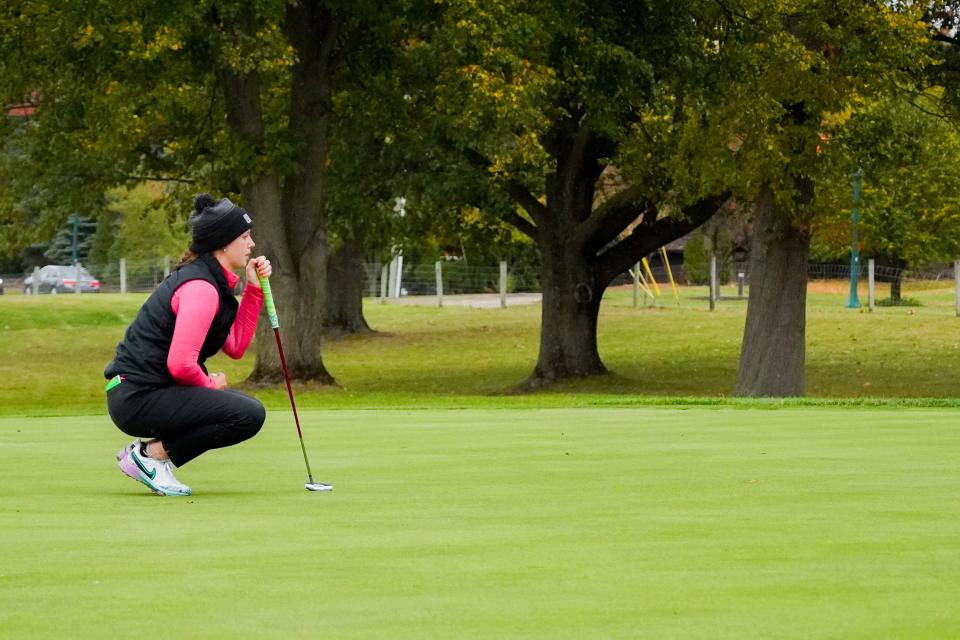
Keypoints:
pixel 21 110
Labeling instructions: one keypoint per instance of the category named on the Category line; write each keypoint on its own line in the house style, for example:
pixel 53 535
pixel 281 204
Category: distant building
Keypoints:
pixel 24 109
pixel 21 110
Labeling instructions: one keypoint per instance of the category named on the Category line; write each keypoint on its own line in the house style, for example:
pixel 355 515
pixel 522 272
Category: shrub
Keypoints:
pixel 902 302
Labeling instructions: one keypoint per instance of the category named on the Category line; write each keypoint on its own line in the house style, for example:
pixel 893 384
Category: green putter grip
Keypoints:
pixel 268 299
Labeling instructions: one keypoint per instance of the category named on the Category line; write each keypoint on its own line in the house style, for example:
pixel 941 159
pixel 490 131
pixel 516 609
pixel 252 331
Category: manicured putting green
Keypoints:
pixel 559 523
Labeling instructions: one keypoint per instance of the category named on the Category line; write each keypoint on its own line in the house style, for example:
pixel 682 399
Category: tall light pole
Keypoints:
pixel 75 221
pixel 854 301
pixel 75 232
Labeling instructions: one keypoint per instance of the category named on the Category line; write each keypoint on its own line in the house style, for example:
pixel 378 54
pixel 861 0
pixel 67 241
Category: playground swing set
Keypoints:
pixel 649 284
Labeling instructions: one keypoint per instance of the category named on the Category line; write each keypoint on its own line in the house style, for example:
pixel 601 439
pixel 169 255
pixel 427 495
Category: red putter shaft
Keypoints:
pixel 275 324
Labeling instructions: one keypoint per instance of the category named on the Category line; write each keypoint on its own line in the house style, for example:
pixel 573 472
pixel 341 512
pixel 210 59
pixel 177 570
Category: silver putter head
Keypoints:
pixel 317 486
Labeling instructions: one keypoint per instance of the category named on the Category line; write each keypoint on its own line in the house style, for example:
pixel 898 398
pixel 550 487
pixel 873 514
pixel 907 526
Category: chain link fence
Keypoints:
pixel 455 277
pixel 835 271
pixel 129 275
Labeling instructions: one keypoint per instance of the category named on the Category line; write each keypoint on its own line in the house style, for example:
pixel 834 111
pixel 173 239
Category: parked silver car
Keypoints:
pixel 55 278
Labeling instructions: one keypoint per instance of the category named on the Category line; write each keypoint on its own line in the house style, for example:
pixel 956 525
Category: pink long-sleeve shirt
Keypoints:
pixel 195 303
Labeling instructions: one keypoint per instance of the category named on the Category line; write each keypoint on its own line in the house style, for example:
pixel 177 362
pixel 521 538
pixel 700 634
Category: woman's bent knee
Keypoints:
pixel 255 417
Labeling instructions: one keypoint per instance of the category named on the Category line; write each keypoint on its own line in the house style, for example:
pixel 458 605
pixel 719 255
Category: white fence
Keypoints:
pixel 120 277
pixel 394 280
pixel 455 277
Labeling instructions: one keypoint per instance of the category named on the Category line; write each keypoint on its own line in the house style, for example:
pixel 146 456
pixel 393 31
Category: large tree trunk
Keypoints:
pixel 345 284
pixel 571 291
pixel 289 226
pixel 570 310
pixel 772 358
pixel 584 244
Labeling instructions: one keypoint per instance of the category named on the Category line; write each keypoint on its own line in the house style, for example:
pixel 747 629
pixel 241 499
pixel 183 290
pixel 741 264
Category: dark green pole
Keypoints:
pixel 854 302
pixel 75 220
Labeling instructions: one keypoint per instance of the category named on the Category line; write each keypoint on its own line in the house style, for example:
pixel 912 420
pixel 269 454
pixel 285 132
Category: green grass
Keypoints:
pixel 55 348
pixel 646 503
pixel 577 523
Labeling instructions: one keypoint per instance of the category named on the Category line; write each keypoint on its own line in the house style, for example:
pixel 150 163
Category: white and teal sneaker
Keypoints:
pixel 126 450
pixel 156 474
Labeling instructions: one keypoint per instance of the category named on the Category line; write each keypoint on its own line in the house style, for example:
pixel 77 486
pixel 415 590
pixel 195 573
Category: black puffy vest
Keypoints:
pixel 142 355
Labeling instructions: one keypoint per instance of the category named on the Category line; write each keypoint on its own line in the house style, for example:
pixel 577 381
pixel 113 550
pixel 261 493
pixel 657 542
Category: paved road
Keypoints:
pixel 476 300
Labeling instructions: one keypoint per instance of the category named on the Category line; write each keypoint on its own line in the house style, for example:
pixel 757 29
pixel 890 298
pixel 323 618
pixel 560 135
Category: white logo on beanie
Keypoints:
pixel 248 218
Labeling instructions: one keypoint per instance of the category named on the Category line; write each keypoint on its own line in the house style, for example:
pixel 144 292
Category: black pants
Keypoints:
pixel 188 420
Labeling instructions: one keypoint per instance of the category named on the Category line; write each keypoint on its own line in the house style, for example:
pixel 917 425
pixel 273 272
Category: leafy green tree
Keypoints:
pixel 373 160
pixel 364 178
pixel 536 99
pixel 715 240
pixel 30 211
pixel 227 96
pixel 910 210
pixel 798 67
pixel 138 224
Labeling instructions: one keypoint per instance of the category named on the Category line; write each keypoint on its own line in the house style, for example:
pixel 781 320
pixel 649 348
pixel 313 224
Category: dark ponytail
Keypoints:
pixel 187 257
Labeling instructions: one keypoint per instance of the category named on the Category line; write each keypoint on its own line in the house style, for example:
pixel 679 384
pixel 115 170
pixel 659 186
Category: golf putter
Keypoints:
pixel 310 485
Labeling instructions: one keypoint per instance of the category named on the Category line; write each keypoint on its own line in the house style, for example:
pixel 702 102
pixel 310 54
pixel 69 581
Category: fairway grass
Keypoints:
pixel 54 349
pixel 484 523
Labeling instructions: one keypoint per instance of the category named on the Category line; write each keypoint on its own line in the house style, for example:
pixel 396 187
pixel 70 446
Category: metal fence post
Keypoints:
pixel 713 282
pixel 166 267
pixel 123 275
pixel 636 285
pixel 384 278
pixel 956 279
pixel 438 269
pixel 871 292
pixel 35 285
pixel 854 301
pixel 398 282
pixel 503 284
pixel 76 273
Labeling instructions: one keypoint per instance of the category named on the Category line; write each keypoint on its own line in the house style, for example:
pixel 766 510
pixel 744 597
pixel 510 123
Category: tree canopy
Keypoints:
pixel 600 130
pixel 911 191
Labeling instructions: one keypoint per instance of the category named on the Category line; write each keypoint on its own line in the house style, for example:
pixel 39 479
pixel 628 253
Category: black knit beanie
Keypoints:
pixel 216 223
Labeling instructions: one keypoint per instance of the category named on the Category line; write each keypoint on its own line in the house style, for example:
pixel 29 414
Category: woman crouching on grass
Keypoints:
pixel 159 388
